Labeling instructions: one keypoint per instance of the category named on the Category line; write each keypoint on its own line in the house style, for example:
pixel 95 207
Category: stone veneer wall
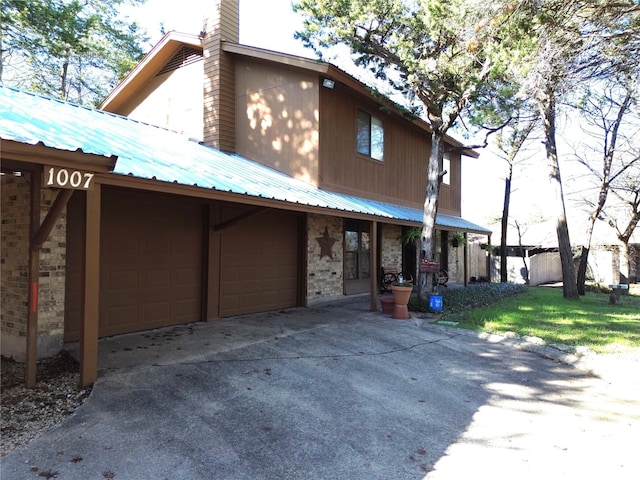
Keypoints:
pixel 14 272
pixel 391 247
pixel 324 275
pixel 456 264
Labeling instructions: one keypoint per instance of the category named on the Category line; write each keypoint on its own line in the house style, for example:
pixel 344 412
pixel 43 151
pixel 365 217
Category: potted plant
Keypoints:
pixel 401 294
pixel 387 302
pixel 457 239
pixel 412 235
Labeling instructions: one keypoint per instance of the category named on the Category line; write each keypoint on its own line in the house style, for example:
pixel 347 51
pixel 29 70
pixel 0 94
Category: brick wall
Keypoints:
pixel 13 263
pixel 391 247
pixel 14 272
pixel 324 275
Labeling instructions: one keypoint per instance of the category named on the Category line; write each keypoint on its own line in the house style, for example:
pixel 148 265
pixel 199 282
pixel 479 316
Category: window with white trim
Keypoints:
pixel 370 136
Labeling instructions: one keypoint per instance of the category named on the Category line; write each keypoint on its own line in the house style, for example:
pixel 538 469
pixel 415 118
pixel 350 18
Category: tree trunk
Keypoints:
pixel 625 264
pixel 63 78
pixel 504 226
pixel 1 58
pixel 523 254
pixel 584 256
pixel 548 112
pixel 427 240
pixel 582 270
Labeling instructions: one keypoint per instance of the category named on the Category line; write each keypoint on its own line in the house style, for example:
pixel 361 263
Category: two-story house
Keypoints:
pixel 305 118
pixel 233 180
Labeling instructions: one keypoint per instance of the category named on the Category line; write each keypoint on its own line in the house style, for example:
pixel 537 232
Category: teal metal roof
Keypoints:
pixel 150 152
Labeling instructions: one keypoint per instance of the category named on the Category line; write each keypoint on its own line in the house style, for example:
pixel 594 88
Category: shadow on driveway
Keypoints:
pixel 335 392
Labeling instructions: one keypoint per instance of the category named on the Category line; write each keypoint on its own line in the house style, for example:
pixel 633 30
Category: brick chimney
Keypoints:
pixel 219 76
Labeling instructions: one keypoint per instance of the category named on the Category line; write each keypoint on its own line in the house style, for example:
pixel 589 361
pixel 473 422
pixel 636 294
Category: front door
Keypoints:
pixel 409 254
pixel 357 256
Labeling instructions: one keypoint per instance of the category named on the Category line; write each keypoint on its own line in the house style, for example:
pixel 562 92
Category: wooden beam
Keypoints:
pixel 91 294
pixel 237 219
pixel 49 221
pixel 373 302
pixel 33 278
pixel 129 181
pixel 38 234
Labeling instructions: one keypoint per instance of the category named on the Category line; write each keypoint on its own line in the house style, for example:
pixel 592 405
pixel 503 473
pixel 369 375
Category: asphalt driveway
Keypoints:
pixel 337 393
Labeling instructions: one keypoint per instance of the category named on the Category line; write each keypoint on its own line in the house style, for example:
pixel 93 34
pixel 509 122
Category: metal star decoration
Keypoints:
pixel 326 244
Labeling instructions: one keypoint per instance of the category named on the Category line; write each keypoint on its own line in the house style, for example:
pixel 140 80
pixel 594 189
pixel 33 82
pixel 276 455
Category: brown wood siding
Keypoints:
pixel 277 123
pixel 259 263
pixel 400 177
pixel 449 200
pixel 219 79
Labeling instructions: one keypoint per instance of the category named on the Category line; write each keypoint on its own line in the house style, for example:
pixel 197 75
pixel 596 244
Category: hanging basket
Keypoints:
pixel 429 266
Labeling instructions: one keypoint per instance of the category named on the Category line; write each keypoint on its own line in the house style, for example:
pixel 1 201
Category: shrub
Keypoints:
pixel 456 300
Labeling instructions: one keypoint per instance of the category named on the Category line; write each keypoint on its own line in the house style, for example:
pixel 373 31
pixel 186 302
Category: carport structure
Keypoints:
pixel 68 171
pixel 213 222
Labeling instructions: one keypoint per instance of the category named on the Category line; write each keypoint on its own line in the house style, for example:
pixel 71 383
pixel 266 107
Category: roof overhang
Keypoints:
pixel 458 224
pixel 22 156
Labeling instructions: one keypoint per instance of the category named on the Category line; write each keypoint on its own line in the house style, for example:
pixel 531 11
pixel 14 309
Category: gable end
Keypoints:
pixel 183 57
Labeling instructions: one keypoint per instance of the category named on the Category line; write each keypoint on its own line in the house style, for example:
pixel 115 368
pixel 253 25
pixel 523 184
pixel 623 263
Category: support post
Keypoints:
pixel 489 261
pixel 33 278
pixel 38 234
pixel 91 294
pixel 466 259
pixel 373 266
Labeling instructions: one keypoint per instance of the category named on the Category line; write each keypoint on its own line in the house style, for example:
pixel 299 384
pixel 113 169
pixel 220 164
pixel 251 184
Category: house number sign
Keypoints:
pixel 67 178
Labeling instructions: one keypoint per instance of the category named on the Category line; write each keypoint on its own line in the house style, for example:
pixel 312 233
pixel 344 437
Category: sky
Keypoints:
pixel 267 24
pixel 271 24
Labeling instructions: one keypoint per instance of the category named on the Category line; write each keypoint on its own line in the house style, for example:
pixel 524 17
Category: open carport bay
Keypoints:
pixel 334 393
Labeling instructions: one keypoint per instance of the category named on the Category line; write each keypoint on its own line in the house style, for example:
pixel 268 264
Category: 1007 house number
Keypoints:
pixel 65 178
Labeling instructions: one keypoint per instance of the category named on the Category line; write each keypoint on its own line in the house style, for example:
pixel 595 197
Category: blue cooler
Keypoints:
pixel 435 302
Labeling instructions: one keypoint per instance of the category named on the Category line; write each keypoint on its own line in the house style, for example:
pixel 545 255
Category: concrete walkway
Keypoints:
pixel 337 392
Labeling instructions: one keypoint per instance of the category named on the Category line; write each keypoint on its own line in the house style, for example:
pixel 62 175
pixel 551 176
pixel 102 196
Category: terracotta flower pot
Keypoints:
pixel 387 303
pixel 401 297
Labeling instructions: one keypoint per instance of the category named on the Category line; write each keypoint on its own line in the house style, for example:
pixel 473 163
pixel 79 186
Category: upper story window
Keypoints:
pixel 370 136
pixel 446 166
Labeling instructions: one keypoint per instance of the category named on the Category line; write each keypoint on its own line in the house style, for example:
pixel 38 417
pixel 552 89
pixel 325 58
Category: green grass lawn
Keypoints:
pixel 542 312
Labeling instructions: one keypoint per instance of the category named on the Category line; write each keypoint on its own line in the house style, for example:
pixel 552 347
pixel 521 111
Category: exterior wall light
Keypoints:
pixel 328 83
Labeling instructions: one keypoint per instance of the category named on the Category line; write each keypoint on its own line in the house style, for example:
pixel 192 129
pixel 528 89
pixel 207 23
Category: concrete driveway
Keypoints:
pixel 337 393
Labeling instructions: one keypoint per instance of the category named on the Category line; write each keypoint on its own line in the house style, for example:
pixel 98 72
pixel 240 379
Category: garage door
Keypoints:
pixel 259 264
pixel 151 261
